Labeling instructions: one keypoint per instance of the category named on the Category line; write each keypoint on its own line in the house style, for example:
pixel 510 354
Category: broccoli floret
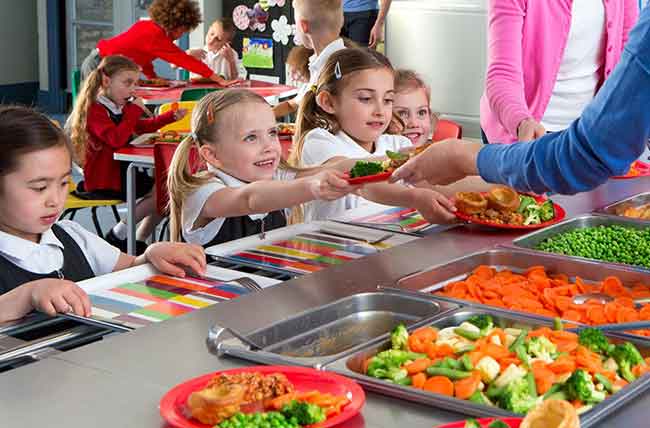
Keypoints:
pixel 386 364
pixel 363 168
pixel 547 211
pixel 627 356
pixel 524 202
pixel 393 374
pixel 479 397
pixel 396 358
pixel 581 387
pixel 498 423
pixel 595 340
pixel 399 338
pixel 516 397
pixel 482 321
pixel 541 347
pixel 471 423
pixel 305 413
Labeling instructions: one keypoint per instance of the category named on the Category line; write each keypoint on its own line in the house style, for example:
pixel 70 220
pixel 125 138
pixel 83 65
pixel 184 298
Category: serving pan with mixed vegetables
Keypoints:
pixel 511 368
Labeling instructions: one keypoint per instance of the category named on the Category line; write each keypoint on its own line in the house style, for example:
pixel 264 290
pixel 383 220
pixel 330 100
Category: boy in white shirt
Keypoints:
pixel 217 52
pixel 318 25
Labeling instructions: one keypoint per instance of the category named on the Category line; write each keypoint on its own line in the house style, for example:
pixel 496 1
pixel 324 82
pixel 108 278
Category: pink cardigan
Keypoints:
pixel 526 41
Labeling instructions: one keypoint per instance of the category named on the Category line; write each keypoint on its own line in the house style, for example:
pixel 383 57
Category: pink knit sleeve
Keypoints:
pixel 504 85
pixel 631 12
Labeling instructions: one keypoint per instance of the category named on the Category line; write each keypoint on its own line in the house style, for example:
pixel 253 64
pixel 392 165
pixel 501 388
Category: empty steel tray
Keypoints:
pixel 328 332
pixel 351 366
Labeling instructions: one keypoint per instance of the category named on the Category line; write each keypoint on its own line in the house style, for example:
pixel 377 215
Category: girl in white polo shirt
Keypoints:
pixel 40 258
pixel 345 116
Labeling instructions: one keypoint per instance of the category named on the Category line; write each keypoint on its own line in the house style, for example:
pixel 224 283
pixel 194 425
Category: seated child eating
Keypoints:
pixel 217 52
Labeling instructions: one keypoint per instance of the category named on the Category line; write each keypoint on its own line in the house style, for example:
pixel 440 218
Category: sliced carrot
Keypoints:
pixel 626 314
pixel 613 286
pixel 544 378
pixel 611 310
pixel 495 351
pixel 419 339
pixel 596 314
pixel 417 366
pixel 572 315
pixel 444 350
pixel 464 388
pixel 278 402
pixel 439 385
pixel 562 335
pixel 565 345
pixel 563 364
pixel 542 331
pixel 418 380
pixel 475 357
pixel 484 272
pixel 644 313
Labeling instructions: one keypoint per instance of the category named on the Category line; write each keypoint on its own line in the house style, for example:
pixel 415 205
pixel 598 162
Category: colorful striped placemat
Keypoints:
pixel 409 219
pixel 305 252
pixel 158 298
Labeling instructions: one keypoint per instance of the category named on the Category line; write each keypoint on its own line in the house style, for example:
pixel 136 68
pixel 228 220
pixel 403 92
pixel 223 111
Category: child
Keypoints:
pixel 105 117
pixel 243 192
pixel 217 52
pixel 412 105
pixel 318 25
pixel 345 116
pixel 153 38
pixel 298 65
pixel 40 258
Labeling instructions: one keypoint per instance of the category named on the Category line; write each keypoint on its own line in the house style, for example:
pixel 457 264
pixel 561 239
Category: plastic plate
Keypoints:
pixel 173 408
pixel 512 423
pixel 375 178
pixel 642 168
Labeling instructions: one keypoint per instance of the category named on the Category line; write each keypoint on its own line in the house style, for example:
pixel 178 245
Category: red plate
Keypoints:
pixel 642 167
pixel 559 216
pixel 375 178
pixel 513 422
pixel 172 405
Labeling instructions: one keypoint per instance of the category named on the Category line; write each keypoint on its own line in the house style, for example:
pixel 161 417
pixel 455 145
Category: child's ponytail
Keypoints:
pixel 77 124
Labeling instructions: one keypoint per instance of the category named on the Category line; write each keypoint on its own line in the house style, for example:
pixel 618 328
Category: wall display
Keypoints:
pixel 257 52
pixel 281 30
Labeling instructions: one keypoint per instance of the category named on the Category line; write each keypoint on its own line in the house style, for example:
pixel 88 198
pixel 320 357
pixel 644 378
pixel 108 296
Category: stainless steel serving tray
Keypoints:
pixel 351 366
pixel 532 240
pixel 617 208
pixel 518 260
pixel 329 332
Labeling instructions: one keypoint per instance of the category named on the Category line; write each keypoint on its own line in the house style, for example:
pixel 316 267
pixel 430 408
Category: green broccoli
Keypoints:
pixel 479 397
pixel 363 168
pixel 517 397
pixel 498 423
pixel 392 374
pixel 305 413
pixel 531 215
pixel 547 211
pixel 525 202
pixel 627 356
pixel 395 357
pixel 581 387
pixel 399 338
pixel 482 321
pixel 471 423
pixel 541 347
pixel 387 364
pixel 595 340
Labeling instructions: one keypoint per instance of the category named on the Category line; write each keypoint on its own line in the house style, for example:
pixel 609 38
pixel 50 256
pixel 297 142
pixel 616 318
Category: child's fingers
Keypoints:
pixel 170 269
pixel 60 304
pixel 74 303
pixel 446 203
pixel 84 299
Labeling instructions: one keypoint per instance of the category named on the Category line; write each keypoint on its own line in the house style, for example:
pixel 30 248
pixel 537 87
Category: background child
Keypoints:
pixel 243 192
pixel 41 258
pixel 318 25
pixel 346 116
pixel 217 52
pixel 298 65
pixel 105 118
pixel 412 105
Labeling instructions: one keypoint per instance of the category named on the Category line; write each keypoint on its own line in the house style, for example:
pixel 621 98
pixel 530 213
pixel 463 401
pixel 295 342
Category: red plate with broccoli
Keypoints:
pixel 372 172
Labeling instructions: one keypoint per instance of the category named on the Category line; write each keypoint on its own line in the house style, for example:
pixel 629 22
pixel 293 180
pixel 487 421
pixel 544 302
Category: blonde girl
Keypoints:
pixel 412 105
pixel 346 115
pixel 243 192
pixel 41 258
pixel 106 116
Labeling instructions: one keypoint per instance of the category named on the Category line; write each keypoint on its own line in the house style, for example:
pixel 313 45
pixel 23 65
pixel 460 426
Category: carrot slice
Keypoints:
pixel 439 385
pixel 563 364
pixel 613 286
pixel 464 388
pixel 444 350
pixel 417 366
pixel 418 380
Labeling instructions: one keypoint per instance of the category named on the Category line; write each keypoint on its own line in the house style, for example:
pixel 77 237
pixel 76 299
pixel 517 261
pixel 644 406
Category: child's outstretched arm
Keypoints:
pixel 270 195
pixel 172 258
pixel 50 295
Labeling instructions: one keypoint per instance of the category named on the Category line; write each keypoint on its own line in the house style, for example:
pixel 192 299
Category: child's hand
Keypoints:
pixel 329 185
pixel 433 206
pixel 227 52
pixel 171 257
pixel 197 53
pixel 180 113
pixel 139 102
pixel 52 295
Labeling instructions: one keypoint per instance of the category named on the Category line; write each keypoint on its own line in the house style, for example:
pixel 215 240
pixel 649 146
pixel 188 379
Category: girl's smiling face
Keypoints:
pixel 246 145
pixel 364 107
pixel 120 88
pixel 412 107
pixel 32 196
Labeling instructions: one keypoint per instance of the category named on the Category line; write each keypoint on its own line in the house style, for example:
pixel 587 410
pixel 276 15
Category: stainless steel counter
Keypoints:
pixel 118 382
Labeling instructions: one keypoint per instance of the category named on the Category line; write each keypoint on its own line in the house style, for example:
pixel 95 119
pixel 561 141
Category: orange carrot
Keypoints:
pixel 418 380
pixel 439 385
pixel 464 388
pixel 417 366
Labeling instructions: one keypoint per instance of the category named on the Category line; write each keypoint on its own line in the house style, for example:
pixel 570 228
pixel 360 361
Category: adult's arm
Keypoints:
pixel 504 81
pixel 377 30
pixel 608 136
pixel 166 50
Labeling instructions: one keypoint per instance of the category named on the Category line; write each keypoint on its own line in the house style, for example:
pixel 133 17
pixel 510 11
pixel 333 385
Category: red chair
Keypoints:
pixel 447 129
pixel 162 158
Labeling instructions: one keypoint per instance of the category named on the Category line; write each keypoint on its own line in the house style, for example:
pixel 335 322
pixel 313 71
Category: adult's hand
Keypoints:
pixel 442 163
pixel 376 33
pixel 529 129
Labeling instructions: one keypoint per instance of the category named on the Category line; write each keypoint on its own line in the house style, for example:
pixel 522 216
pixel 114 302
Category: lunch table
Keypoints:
pixel 272 92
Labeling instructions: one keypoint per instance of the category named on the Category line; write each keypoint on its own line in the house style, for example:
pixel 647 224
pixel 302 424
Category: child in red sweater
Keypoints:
pixel 105 118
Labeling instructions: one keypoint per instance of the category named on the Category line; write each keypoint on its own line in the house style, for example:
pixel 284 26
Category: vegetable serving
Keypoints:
pixel 511 368
pixel 503 205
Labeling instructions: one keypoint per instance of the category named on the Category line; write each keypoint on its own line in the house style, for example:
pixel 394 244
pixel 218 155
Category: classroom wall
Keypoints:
pixel 19 70
pixel 211 10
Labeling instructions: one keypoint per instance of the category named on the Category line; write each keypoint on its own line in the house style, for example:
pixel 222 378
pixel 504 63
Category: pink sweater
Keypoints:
pixel 526 41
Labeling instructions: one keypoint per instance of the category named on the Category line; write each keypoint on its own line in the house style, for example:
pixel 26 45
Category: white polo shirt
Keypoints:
pixel 219 65
pixel 193 205
pixel 321 146
pixel 316 64
pixel 46 256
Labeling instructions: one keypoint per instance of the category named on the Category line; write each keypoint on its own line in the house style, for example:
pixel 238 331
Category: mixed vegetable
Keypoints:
pixel 535 212
pixel 511 368
pixel 365 168
pixel 496 423
pixel 294 414
pixel 611 243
